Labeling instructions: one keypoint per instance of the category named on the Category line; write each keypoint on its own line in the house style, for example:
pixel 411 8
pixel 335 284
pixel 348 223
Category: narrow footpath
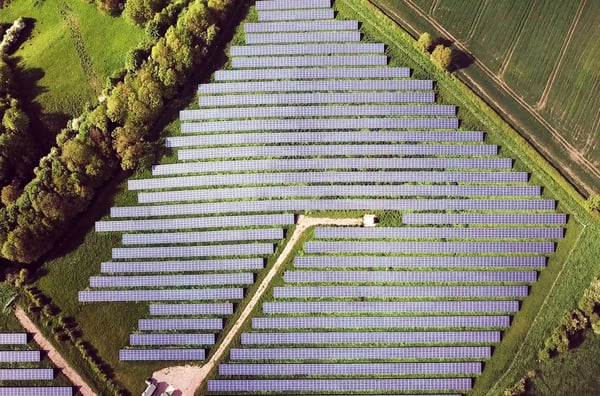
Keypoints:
pixel 53 354
pixel 190 378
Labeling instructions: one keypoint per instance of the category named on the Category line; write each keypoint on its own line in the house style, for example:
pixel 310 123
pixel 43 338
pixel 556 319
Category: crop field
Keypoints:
pixel 535 63
pixel 70 51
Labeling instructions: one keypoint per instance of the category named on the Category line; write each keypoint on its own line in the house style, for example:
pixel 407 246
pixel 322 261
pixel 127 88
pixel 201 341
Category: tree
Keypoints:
pixel 442 56
pixel 141 11
pixel 593 203
pixel 425 42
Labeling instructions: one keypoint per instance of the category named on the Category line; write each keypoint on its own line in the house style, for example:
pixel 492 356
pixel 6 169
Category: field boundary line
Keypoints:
pixel 303 223
pixel 537 316
pixel 53 354
pixel 514 44
pixel 541 103
pixel 476 20
pixel 573 152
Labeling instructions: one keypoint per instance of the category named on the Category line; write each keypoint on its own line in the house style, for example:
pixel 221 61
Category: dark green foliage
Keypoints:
pixel 141 11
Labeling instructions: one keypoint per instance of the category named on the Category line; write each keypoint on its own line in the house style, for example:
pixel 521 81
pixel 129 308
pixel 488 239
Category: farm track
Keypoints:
pixel 53 354
pixel 544 96
pixel 573 153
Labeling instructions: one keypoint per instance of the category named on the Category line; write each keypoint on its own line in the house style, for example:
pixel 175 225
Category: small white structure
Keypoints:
pixel 151 388
pixel 369 220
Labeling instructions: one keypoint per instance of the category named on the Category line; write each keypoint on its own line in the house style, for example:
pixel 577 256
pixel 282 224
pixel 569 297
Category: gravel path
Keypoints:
pixel 53 354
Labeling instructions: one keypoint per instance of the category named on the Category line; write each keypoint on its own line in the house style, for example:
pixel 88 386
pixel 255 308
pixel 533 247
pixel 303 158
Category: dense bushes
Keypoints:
pixel 572 329
pixel 114 132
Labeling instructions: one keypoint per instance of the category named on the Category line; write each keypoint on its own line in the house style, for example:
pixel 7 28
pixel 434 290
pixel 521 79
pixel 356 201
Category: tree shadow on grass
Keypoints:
pixel 460 59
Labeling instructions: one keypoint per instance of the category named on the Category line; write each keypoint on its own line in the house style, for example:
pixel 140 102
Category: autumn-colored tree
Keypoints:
pixel 425 42
pixel 442 56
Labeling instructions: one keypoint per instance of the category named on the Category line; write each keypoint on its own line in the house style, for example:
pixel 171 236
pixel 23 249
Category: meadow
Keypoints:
pixel 70 52
pixel 533 61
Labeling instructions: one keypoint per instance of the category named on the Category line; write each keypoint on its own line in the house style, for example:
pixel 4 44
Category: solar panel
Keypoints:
pixel 324 137
pixel 429 247
pixel 316 98
pixel 399 291
pixel 310 74
pixel 317 85
pixel 303 26
pixel 487 218
pixel 194 222
pixel 194 251
pixel 26 374
pixel 410 262
pixel 192 309
pixel 436 232
pixel 337 322
pixel 181 324
pixel 294 4
pixel 320 123
pixel 315 191
pixel 302 37
pixel 330 384
pixel 371 337
pixel 322 204
pixel 295 15
pixel 321 177
pixel 306 49
pixel 183 265
pixel 333 163
pixel 172 280
pixel 13 338
pixel 161 354
pixel 360 353
pixel 19 356
pixel 205 236
pixel 342 369
pixel 318 111
pixel 171 339
pixel 36 391
pixel 161 295
pixel 387 307
pixel 308 61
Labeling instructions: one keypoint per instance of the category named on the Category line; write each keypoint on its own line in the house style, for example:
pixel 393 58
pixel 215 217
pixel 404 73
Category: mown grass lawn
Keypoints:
pixel 70 51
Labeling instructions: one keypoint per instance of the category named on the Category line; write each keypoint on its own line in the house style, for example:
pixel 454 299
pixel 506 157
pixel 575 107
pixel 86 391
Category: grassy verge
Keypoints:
pixel 570 269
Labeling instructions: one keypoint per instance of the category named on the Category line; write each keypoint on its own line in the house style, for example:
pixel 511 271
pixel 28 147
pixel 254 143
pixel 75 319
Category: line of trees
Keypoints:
pixel 111 134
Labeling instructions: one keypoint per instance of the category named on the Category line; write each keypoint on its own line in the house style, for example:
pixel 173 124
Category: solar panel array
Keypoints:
pixel 20 369
pixel 286 130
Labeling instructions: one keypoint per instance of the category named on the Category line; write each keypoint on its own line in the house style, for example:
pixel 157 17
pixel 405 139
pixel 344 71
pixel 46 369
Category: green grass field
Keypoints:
pixel 544 53
pixel 70 51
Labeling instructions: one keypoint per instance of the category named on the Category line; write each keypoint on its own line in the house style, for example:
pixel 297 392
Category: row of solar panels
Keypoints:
pixel 336 150
pixel 26 374
pixel 307 49
pixel 308 61
pixel 409 276
pixel 389 307
pixel 171 339
pixel 231 264
pixel 186 354
pixel 390 190
pixel 319 124
pixel 316 98
pixel 340 36
pixel 399 292
pixel 316 111
pixel 238 278
pixel 13 338
pixel 195 222
pixel 181 324
pixel 248 249
pixel 324 137
pixel 331 163
pixel 331 204
pixel 19 356
pixel 436 232
pixel 336 385
pixel 487 218
pixel 206 236
pixel 161 295
pixel 36 391
pixel 370 337
pixel 327 177
pixel 317 85
pixel 373 322
pixel 295 15
pixel 418 261
pixel 445 352
pixel 264 369
pixel 291 4
pixel 303 26
pixel 312 73
pixel 429 247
